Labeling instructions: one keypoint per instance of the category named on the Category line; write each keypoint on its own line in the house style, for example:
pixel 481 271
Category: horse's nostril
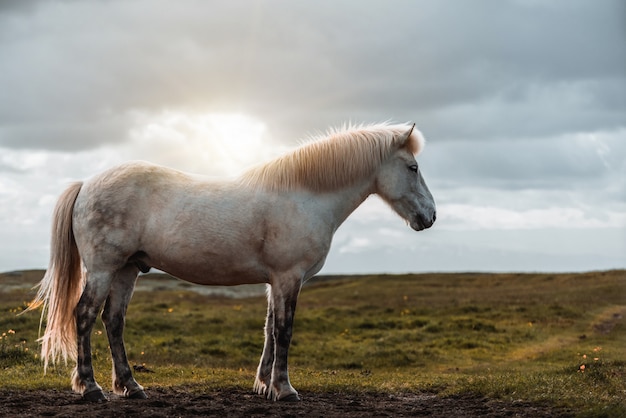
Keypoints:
pixel 434 217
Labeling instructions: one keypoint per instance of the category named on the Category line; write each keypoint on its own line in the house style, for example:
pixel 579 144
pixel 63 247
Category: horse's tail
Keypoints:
pixel 62 285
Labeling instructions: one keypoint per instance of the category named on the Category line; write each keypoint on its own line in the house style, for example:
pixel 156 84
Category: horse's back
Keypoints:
pixel 136 178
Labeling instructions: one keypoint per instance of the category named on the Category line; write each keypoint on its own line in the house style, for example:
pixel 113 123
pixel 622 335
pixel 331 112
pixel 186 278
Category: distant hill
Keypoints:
pixel 27 279
pixel 24 279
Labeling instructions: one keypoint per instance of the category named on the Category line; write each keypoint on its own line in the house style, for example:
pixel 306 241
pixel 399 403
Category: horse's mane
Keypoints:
pixel 336 159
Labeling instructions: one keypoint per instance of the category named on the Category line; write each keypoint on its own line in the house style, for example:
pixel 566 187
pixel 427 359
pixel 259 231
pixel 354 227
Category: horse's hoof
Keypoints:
pixel 294 397
pixel 140 394
pixel 95 396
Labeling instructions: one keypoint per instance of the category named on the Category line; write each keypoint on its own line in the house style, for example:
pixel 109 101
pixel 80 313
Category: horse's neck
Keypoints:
pixel 343 202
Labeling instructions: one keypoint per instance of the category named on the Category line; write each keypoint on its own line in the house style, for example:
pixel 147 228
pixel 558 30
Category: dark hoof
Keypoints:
pixel 95 396
pixel 291 398
pixel 140 394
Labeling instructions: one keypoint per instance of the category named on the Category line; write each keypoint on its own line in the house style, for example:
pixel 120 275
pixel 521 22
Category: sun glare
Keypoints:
pixel 207 143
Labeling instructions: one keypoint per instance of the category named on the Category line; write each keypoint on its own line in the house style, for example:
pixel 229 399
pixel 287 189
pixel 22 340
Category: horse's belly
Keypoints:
pixel 217 273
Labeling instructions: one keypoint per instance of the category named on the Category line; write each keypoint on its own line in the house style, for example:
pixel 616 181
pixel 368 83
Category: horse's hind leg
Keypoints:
pixel 113 318
pixel 94 294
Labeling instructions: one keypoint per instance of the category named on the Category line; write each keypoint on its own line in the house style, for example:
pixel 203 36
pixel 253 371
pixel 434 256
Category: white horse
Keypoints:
pixel 273 225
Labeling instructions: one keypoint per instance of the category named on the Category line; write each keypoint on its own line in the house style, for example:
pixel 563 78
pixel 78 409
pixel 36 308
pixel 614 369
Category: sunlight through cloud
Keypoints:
pixel 205 143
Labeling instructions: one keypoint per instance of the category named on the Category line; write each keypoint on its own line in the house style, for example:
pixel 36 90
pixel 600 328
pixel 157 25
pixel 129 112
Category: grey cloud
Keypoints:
pixel 499 88
pixel 569 163
pixel 75 136
pixel 19 7
pixel 562 79
pixel 304 66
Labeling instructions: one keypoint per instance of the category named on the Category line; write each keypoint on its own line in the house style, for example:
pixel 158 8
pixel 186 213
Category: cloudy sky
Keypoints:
pixel 523 104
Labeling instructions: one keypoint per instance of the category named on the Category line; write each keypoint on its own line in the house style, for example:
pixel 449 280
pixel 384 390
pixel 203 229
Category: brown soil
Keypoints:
pixel 178 403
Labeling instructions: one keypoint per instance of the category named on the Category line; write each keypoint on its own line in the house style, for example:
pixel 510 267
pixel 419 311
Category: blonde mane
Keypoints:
pixel 328 162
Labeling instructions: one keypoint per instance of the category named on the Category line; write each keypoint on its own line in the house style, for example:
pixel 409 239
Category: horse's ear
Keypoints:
pixel 406 138
pixel 412 140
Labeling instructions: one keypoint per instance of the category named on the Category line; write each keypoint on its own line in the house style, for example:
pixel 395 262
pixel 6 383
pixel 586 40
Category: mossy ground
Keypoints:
pixel 550 338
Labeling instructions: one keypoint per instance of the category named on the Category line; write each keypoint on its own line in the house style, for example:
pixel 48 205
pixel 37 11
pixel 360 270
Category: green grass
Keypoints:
pixel 556 339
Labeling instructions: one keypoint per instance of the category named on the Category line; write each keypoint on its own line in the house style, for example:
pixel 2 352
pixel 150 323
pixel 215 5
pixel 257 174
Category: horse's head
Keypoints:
pixel 401 184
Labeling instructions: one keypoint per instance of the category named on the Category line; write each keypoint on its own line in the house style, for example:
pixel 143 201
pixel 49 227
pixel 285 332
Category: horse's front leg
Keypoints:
pixel 264 371
pixel 284 299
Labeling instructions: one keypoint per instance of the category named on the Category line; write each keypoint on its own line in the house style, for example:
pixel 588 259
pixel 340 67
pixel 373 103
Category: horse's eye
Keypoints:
pixel 413 168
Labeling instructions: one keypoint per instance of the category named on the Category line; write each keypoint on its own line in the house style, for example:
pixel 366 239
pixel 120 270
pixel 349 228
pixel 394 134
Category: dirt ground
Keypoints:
pixel 177 403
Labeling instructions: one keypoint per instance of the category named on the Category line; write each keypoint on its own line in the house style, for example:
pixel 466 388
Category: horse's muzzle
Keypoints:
pixel 421 222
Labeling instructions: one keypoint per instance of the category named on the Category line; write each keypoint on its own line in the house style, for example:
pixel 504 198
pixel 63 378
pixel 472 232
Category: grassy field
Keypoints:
pixel 557 339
